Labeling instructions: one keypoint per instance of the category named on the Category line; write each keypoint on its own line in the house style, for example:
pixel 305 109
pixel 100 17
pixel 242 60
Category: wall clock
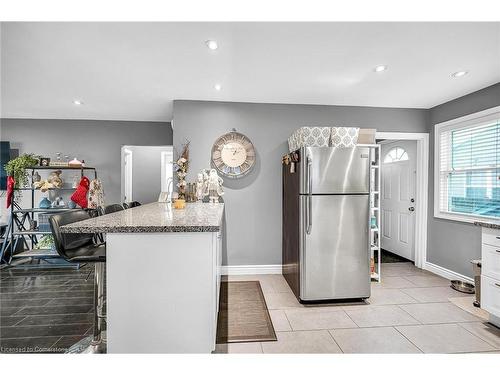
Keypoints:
pixel 233 155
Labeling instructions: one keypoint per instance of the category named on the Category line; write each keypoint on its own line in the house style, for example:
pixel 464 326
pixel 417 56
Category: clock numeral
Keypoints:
pixel 245 166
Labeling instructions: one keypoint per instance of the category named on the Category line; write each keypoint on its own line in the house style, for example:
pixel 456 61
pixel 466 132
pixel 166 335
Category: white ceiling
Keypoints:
pixel 133 71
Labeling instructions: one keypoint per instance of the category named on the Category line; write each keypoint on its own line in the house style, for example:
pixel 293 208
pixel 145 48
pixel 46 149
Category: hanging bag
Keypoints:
pixel 80 194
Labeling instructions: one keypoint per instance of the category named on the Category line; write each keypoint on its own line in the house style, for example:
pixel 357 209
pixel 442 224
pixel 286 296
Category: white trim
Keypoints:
pixel 259 269
pixel 446 273
pixel 472 119
pixel 127 175
pixel 421 189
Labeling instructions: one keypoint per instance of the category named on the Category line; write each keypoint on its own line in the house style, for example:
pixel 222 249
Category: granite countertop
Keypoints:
pixel 487 225
pixel 154 217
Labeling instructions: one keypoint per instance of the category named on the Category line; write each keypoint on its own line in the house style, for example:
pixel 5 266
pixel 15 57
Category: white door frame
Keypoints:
pixel 167 158
pixel 421 189
pixel 127 171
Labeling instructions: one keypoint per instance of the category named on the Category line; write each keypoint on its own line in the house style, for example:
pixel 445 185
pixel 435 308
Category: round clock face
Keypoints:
pixel 233 155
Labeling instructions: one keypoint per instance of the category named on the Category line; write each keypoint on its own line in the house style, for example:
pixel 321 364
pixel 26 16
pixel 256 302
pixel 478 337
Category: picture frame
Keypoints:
pixel 44 162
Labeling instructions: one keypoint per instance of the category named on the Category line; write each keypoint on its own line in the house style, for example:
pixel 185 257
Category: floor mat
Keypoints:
pixel 388 257
pixel 243 314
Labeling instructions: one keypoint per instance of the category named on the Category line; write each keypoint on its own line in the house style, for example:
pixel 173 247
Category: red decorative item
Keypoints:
pixel 80 194
pixel 10 190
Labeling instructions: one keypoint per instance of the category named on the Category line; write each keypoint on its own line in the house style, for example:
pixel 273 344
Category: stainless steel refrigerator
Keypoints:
pixel 326 223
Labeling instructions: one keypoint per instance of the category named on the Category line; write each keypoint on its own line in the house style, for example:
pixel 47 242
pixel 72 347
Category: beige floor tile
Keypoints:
pixel 393 282
pixel 373 340
pixel 383 296
pixel 444 338
pixel 432 313
pixel 380 316
pixel 239 348
pixel 302 342
pixel 275 283
pixel 318 318
pixel 401 269
pixel 485 331
pixel 432 294
pixel 281 300
pixel 466 303
pixel 428 280
pixel 280 321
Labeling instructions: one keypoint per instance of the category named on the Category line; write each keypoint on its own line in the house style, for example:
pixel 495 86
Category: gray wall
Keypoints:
pixel 452 244
pixel 253 204
pixel 97 142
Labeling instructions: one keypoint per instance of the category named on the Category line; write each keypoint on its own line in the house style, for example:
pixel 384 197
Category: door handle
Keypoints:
pixel 411 209
pixel 309 196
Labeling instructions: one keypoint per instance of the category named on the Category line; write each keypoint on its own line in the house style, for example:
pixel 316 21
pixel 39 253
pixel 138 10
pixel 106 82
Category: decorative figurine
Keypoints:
pixel 200 186
pixel 213 187
pixel 35 178
pixel 55 179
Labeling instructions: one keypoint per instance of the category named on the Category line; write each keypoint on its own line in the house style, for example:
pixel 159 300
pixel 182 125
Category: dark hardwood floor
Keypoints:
pixel 45 310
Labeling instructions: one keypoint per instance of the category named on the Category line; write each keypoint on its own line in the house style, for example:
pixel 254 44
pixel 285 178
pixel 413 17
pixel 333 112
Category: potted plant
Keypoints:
pixel 17 168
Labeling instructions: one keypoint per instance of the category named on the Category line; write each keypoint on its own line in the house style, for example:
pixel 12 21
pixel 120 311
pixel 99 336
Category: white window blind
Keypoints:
pixel 469 169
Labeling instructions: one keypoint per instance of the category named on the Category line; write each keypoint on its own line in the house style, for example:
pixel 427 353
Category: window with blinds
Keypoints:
pixel 469 169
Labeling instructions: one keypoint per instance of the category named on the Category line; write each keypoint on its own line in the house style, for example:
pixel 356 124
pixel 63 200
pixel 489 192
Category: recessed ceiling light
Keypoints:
pixel 77 102
pixel 212 44
pixel 218 87
pixel 380 68
pixel 460 73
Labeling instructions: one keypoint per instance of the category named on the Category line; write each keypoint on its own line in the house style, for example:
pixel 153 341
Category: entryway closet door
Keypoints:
pixel 398 198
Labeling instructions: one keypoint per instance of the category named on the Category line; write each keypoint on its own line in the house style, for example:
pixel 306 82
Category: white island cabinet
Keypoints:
pixel 490 271
pixel 162 276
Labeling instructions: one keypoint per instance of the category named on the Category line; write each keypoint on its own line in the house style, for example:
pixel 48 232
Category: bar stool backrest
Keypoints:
pixel 113 208
pixel 69 241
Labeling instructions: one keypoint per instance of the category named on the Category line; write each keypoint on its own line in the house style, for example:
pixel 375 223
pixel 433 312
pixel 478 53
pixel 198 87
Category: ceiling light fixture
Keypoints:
pixel 380 68
pixel 218 87
pixel 77 102
pixel 212 44
pixel 460 73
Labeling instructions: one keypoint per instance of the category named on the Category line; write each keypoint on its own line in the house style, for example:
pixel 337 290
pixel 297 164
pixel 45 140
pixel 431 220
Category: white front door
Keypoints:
pixel 398 198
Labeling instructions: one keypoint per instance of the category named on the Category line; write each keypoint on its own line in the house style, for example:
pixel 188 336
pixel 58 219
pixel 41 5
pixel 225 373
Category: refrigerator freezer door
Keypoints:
pixel 335 254
pixel 329 170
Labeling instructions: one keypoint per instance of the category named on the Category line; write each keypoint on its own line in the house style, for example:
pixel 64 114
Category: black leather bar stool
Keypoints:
pixel 131 204
pixel 81 248
pixel 109 209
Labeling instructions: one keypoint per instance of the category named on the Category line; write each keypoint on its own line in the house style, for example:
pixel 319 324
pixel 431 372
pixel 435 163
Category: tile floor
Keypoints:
pixel 409 312
pixel 44 310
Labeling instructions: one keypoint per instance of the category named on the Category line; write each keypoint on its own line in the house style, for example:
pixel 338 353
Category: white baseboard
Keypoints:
pixel 446 273
pixel 259 269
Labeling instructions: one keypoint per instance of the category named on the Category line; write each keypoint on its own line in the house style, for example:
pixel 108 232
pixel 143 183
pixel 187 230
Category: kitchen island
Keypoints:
pixel 162 276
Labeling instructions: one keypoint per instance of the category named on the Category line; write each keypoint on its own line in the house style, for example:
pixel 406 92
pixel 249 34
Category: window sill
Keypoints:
pixel 469 219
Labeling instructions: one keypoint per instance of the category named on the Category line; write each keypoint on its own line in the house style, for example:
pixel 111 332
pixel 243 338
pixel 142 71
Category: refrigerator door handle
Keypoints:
pixel 309 195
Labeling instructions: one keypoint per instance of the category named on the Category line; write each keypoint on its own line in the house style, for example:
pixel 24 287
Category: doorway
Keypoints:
pixel 417 218
pixel 145 172
pixel 397 200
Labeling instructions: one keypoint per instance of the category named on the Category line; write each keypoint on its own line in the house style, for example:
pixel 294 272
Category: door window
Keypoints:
pixel 396 154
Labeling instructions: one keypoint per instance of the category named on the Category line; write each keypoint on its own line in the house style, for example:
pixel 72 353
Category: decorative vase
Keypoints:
pixel 45 203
